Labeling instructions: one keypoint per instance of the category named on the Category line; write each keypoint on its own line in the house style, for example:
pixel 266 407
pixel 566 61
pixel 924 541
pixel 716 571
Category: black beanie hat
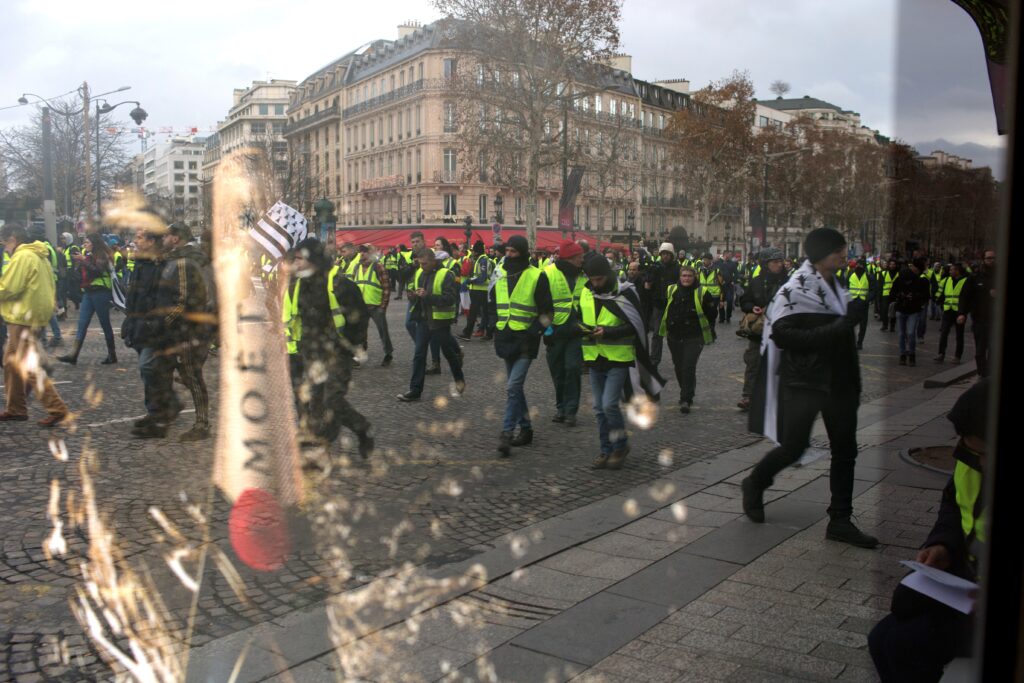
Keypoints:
pixel 478 247
pixel 519 244
pixel 597 266
pixel 822 242
pixel 970 412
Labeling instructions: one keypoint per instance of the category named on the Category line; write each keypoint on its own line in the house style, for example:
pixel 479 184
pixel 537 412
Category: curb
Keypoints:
pixel 951 376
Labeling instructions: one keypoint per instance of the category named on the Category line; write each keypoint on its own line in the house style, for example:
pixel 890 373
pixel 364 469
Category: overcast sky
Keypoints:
pixel 183 58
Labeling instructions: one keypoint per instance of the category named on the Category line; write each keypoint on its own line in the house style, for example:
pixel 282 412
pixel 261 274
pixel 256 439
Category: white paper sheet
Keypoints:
pixel 944 587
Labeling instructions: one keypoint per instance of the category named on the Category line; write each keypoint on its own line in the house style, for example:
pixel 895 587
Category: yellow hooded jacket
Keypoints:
pixel 26 288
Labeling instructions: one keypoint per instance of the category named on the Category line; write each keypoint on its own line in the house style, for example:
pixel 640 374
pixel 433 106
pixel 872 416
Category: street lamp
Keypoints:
pixel 630 226
pixel 728 236
pixel 138 115
pixel 468 232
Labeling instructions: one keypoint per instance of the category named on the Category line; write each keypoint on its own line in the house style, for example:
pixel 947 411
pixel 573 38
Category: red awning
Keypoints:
pixel 385 238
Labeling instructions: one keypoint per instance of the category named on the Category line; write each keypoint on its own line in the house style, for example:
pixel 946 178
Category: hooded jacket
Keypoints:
pixel 27 289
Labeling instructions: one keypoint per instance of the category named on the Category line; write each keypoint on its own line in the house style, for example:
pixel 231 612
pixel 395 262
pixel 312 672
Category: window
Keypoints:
pixel 482 208
pixel 279 110
pixel 449 117
pixel 479 74
pixel 547 211
pixel 401 79
pixel 613 106
pixel 179 164
pixel 450 208
pixel 482 165
pixel 408 121
pixel 449 163
pixel 408 166
pixel 661 121
pixel 179 177
pixel 762 121
pixel 391 164
pixel 421 78
pixel 519 207
pixel 419 166
pixel 264 109
pixel 399 125
pixel 398 214
pixel 373 89
pixel 380 166
pixel 193 165
pixel 194 177
pixel 337 184
pixel 449 68
pixel 597 103
pixel 391 127
pixel 372 136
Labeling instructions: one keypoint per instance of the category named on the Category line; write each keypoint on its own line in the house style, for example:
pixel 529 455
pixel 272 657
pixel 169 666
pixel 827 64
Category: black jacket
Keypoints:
pixel 141 327
pixel 182 299
pixel 979 301
pixel 910 292
pixel 663 275
pixel 761 290
pixel 512 345
pixel 819 351
pixel 948 530
pixel 681 321
pixel 422 309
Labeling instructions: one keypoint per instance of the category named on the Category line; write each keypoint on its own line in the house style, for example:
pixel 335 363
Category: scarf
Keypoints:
pixel 624 302
pixel 804 292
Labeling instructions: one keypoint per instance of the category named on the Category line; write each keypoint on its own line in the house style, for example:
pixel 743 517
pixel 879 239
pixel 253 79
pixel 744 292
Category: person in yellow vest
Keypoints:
pixel 921 636
pixel 954 304
pixel 27 295
pixel 434 299
pixel 564 346
pixel 862 287
pixel 38 234
pixel 325 324
pixel 687 325
pixel 478 282
pixel 909 296
pixel 348 257
pixel 97 297
pixel 391 266
pixel 712 287
pixel 407 264
pixel 885 281
pixel 615 351
pixel 372 279
pixel 5 258
pixel 70 283
pixel 936 278
pixel 520 292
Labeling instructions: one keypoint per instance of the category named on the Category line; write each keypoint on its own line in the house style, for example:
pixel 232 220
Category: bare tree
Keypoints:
pixel 779 88
pixel 608 148
pixel 526 64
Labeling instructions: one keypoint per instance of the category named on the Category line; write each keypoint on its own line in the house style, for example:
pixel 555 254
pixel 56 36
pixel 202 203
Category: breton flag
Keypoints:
pixel 279 229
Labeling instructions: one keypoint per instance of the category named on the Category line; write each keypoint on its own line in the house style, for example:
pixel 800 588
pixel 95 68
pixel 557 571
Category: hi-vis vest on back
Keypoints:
pixel 709 282
pixel 562 298
pixel 519 310
pixel 859 286
pixel 369 284
pixel 478 270
pixel 616 350
pixel 951 294
pixel 290 312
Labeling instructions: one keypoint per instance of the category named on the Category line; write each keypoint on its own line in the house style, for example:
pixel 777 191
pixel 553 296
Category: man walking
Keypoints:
pixel 810 367
pixel 755 300
pixel 953 301
pixel 564 346
pixel 710 282
pixel 664 273
pixel 27 296
pixel 979 306
pixel 433 299
pixel 862 287
pixel 885 281
pixel 910 295
pixel 479 283
pixel 371 278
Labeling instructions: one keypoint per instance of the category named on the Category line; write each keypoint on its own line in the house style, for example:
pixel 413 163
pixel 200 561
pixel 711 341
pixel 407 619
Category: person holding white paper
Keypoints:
pixel 922 635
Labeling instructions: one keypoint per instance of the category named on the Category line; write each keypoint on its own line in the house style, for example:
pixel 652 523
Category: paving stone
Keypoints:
pixel 720 646
pixel 626 545
pixel 543 582
pixel 572 634
pixel 847 655
pixel 740 542
pixel 513 663
pixel 776 638
pixel 584 562
pixel 637 669
pixel 665 633
pixel 693 622
pixel 675 580
pixel 781 661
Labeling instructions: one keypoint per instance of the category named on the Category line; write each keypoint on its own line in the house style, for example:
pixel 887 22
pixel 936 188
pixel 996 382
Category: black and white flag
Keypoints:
pixel 279 229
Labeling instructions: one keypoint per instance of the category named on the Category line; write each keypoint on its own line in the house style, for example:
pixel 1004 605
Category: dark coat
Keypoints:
pixel 663 275
pixel 819 351
pixel 183 300
pixel 681 321
pixel 422 309
pixel 979 301
pixel 142 323
pixel 910 292
pixel 761 290
pixel 948 530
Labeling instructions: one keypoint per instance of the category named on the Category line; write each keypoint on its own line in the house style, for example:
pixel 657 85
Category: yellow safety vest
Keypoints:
pixel 437 312
pixel 369 284
pixel 859 286
pixel 951 294
pixel 519 311
pixel 698 305
pixel 290 312
pixel 887 279
pixel 710 282
pixel 561 296
pixel 337 317
pixel 616 350
pixel 967 482
pixel 477 272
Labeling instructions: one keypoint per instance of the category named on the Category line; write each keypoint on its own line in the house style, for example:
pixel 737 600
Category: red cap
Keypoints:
pixel 258 531
pixel 567 249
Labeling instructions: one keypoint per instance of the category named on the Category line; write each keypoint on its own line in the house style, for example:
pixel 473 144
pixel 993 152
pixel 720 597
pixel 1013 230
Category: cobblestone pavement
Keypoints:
pixel 432 492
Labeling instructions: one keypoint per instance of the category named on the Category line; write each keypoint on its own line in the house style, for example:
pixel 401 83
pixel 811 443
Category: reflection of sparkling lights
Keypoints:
pixel 440 402
pixel 679 511
pixel 518 546
pixel 642 412
pixel 631 508
pixel 665 457
pixel 59 449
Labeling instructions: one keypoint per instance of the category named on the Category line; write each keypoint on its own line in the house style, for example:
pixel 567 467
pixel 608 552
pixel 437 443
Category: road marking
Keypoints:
pixel 129 419
pixel 63 381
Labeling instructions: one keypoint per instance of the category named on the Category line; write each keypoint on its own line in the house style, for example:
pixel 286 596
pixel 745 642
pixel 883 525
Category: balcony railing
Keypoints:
pixel 384 183
pixel 393 96
pixel 326 113
pixel 446 177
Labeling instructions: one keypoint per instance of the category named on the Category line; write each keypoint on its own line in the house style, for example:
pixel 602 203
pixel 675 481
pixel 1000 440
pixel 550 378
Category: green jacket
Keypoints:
pixel 27 291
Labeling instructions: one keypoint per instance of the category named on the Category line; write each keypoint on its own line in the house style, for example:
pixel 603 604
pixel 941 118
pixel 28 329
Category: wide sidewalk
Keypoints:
pixel 666 582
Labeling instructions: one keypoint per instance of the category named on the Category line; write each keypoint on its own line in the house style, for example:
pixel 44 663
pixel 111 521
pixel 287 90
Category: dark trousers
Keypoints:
pixel 725 314
pixel 685 354
pixel 913 649
pixel 565 363
pixel 447 345
pixel 887 322
pixel 336 412
pixel 393 280
pixel 190 365
pixel 949 323
pixel 981 331
pixel 752 363
pixel 799 408
pixel 657 342
pixel 862 324
pixel 477 308
pixel 152 366
pixel 379 316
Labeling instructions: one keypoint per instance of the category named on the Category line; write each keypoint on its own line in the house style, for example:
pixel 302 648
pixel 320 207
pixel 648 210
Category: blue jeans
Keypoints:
pixel 606 387
pixel 516 410
pixel 425 338
pixel 98 303
pixel 152 366
pixel 908 332
pixel 54 327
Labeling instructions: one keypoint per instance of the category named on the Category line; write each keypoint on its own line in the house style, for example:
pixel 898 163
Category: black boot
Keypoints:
pixel 912 360
pixel 903 359
pixel 72 358
pixel 523 438
pixel 843 530
pixel 753 500
pixel 504 444
pixel 111 354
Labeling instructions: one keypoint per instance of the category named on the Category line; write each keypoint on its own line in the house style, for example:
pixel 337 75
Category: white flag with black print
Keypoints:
pixel 279 229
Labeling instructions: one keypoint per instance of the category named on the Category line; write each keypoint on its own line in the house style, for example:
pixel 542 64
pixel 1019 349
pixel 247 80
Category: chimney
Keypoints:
pixel 408 28
pixel 622 62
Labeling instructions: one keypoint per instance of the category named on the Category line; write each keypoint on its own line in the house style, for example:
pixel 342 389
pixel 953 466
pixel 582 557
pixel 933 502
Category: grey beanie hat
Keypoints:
pixel 770 254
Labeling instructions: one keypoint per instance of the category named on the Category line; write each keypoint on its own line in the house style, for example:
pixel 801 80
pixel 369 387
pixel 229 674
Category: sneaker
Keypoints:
pixel 197 433
pixel 744 404
pixel 463 336
pixel 570 420
pixel 150 431
pixel 753 501
pixel 523 438
pixel 55 342
pixel 408 397
pixel 617 458
pixel 52 420
pixel 558 417
pixel 844 531
pixel 433 370
pixel 600 462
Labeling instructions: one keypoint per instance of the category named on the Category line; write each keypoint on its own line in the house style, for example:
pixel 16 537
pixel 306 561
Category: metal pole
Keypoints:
pixel 99 213
pixel 49 206
pixel 88 156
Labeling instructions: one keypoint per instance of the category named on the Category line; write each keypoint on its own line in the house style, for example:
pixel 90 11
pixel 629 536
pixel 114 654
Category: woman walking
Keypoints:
pixel 97 298
pixel 687 327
